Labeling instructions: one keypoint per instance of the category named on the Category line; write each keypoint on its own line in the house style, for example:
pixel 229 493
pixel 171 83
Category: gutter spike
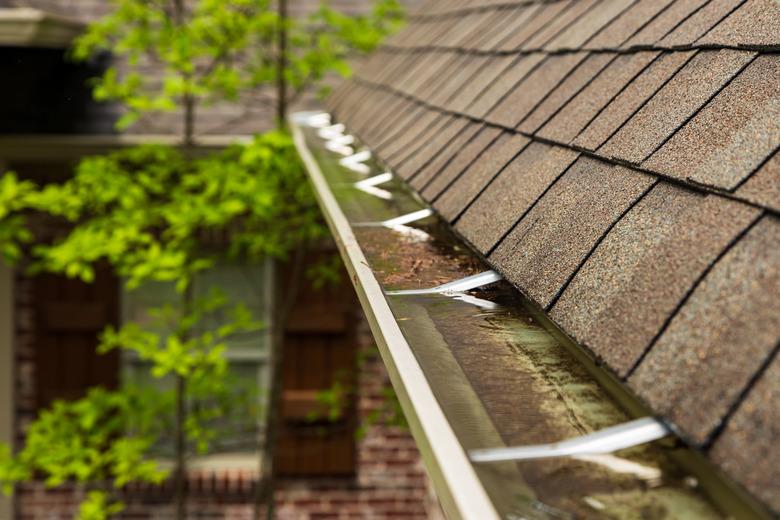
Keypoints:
pixel 355 161
pixel 608 440
pixel 457 286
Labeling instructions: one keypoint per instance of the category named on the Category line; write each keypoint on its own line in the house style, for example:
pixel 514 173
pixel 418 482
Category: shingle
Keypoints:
pixel 561 22
pixel 588 24
pixel 403 135
pixel 637 276
pixel 551 241
pixel 732 135
pixel 439 140
pixel 466 69
pixel 541 18
pixel 337 99
pixel 491 68
pixel 747 449
pixel 430 71
pixel 576 114
pixel 460 31
pixel 445 155
pixel 723 333
pixel 452 201
pixel 664 23
pixel 755 24
pixel 513 22
pixel 391 114
pixel 381 65
pixel 440 78
pixel 483 31
pixel 460 162
pixel 501 84
pixel 523 97
pixel 416 141
pixel 370 102
pixel 687 91
pixel 699 23
pixel 580 76
pixel 630 99
pixel 511 194
pixel 400 67
pixel 628 23
pixel 764 186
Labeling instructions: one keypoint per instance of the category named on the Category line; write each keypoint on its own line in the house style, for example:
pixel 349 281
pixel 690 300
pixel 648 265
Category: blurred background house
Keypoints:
pixel 48 324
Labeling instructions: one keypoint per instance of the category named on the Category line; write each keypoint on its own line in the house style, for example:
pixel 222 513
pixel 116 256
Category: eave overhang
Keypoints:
pixel 484 369
pixel 27 27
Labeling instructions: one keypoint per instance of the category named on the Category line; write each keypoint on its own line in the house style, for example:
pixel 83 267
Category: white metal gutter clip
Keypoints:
pixel 399 224
pixel 340 144
pixel 355 162
pixel 319 120
pixel 331 131
pixel 370 185
pixel 608 440
pixel 457 286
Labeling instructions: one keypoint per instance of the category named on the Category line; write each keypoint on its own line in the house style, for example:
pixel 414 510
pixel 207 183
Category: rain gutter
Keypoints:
pixel 513 420
pixel 456 484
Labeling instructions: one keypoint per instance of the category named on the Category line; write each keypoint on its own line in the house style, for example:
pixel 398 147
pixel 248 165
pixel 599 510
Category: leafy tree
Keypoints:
pixel 149 212
pixel 207 51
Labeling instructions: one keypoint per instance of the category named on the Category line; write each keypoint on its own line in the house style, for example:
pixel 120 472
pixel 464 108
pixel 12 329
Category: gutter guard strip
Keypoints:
pixel 458 488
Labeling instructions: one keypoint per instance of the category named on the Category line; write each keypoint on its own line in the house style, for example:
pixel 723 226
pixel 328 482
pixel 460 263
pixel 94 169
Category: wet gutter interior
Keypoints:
pixel 485 369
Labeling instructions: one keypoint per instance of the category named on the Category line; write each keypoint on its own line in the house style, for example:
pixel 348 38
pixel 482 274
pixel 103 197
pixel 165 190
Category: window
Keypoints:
pixel 247 353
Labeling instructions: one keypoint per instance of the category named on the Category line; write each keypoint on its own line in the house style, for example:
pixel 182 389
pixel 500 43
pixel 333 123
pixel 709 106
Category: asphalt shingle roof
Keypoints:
pixel 618 162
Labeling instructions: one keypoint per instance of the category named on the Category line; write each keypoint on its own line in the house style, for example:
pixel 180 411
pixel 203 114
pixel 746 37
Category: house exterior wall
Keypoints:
pixel 390 481
pixel 6 370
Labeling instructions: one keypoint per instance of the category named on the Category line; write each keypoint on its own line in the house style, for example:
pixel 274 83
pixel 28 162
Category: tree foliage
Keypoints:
pixel 208 51
pixel 157 214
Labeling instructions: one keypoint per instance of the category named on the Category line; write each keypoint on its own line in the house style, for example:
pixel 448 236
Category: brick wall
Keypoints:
pixel 390 481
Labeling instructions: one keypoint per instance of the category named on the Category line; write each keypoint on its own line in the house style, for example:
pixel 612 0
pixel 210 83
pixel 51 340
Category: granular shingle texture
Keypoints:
pixel 512 193
pixel 732 135
pixel 463 190
pixel 737 300
pixel 634 280
pixel 630 99
pixel 460 161
pixel 617 161
pixel 755 24
pixel 548 245
pixel 747 448
pixel 763 187
pixel 685 93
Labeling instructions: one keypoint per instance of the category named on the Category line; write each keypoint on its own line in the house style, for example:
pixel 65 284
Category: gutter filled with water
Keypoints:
pixel 482 369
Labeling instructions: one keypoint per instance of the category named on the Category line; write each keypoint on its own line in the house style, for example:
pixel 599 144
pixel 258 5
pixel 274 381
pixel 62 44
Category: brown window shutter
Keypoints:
pixel 320 349
pixel 69 317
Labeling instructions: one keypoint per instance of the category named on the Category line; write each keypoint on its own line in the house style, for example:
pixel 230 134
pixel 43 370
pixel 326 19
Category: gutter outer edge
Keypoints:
pixel 459 490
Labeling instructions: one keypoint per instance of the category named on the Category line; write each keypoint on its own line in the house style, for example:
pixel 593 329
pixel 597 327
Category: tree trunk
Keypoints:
pixel 180 470
pixel 281 66
pixel 180 474
pixel 189 120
